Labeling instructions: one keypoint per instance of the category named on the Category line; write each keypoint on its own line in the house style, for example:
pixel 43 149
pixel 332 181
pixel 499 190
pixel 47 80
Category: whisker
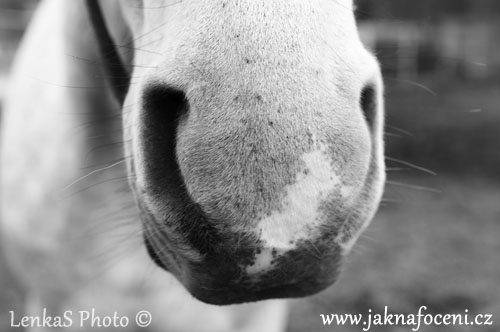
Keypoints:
pixel 117 131
pixel 104 146
pixel 131 48
pixel 121 178
pixel 391 200
pixel 81 87
pixel 105 163
pixel 411 186
pixel 388 134
pixel 100 63
pixel 92 173
pixel 419 168
pixel 397 169
pixel 316 253
pixel 419 85
pixel 400 130
pixel 132 42
pixel 159 7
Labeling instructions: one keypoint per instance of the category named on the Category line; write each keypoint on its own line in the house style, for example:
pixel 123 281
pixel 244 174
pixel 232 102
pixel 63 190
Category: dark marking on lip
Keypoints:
pixel 293 274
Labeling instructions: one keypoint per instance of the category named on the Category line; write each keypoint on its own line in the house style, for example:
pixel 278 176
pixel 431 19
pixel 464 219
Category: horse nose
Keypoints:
pixel 242 201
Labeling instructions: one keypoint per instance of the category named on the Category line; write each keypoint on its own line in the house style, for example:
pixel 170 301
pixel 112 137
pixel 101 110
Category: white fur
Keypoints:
pixel 263 261
pixel 299 213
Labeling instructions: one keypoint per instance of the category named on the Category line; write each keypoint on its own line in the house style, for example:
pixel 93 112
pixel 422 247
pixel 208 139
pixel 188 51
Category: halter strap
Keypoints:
pixel 118 76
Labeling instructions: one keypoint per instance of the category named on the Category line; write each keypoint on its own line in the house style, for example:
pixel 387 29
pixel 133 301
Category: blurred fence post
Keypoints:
pixel 466 48
pixel 408 46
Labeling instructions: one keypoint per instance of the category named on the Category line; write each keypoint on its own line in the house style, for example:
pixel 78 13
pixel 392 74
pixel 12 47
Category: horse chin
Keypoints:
pixel 231 272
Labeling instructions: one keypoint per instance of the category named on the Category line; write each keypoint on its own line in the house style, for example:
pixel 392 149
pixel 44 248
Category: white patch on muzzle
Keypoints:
pixel 263 261
pixel 299 216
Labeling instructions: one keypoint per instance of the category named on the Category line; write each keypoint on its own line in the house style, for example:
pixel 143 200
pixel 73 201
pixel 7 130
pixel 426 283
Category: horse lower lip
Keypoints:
pixel 221 283
pixel 292 278
pixel 252 293
pixel 221 277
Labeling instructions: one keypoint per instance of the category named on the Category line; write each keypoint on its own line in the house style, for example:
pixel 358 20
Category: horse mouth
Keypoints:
pixel 225 274
pixel 253 293
pixel 223 283
pixel 222 277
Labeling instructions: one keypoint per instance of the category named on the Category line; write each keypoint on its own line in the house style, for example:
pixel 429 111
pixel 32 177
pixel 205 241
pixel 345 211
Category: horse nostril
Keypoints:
pixel 162 109
pixel 368 102
pixel 163 104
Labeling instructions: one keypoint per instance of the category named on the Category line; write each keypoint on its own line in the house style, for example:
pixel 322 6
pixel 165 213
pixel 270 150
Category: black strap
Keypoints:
pixel 118 76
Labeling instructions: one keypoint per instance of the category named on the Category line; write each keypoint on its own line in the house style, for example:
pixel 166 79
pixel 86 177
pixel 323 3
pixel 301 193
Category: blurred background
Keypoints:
pixel 436 238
